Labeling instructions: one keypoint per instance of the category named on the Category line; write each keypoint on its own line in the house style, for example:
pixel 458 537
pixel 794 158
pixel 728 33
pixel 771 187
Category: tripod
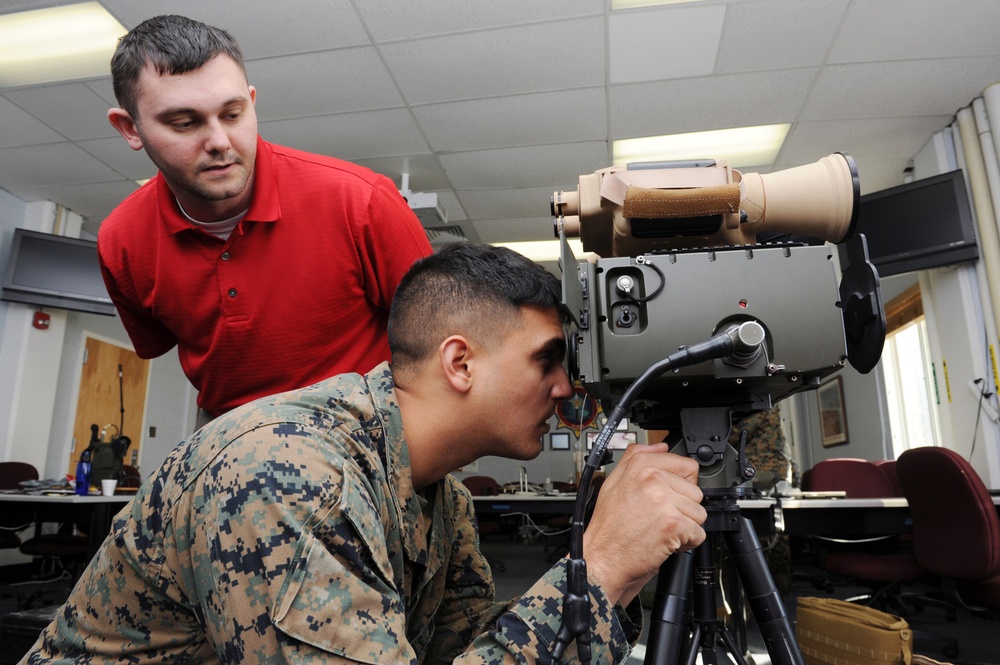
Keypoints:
pixel 674 626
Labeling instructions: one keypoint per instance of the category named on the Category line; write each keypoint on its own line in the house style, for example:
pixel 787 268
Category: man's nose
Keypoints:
pixel 217 139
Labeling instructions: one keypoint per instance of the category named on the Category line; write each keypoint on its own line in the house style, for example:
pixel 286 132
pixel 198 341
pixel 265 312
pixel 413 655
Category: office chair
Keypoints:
pixel 486 486
pixel 859 478
pixel 888 467
pixel 884 563
pixel 956 531
pixel 129 477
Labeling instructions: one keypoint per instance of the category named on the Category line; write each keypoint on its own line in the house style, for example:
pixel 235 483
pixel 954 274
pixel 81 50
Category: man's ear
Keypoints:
pixel 455 354
pixel 122 121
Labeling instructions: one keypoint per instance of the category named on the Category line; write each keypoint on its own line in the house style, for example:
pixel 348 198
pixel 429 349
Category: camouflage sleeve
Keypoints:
pixel 520 630
pixel 468 607
pixel 526 633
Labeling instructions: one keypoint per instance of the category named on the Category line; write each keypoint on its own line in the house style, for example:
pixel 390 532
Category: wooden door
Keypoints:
pixel 101 400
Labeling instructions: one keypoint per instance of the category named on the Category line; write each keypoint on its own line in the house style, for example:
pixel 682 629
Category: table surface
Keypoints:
pixel 23 497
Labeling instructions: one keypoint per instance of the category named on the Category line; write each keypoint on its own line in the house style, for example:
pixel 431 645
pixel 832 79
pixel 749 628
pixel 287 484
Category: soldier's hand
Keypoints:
pixel 648 508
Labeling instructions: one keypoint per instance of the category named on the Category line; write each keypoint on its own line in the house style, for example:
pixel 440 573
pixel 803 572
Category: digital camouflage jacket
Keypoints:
pixel 289 531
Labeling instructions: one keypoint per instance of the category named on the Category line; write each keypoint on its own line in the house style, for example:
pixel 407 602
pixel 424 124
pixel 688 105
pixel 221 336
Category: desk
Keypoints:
pixel 843 517
pixel 525 503
pixel 846 517
pixel 101 513
pixel 761 512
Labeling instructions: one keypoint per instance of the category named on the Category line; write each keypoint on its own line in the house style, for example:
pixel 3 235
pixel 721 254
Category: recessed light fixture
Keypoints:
pixel 740 146
pixel 57 44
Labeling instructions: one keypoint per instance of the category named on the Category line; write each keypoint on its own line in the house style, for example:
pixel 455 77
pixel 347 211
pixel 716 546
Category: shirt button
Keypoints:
pixel 225 256
pixel 232 293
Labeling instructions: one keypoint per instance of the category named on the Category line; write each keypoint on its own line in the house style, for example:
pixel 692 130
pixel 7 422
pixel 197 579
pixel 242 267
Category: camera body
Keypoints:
pixel 683 297
pixel 675 259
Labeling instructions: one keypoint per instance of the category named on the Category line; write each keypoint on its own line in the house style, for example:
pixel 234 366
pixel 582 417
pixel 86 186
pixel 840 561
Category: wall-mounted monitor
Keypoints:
pixel 922 224
pixel 55 271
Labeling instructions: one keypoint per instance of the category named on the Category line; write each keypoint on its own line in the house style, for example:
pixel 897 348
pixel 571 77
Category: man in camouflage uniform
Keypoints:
pixel 323 525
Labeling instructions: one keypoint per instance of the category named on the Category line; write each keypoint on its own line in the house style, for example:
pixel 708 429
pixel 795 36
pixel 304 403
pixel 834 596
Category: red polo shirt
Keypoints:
pixel 299 292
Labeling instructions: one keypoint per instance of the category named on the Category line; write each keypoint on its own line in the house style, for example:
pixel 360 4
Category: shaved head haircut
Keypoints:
pixel 465 289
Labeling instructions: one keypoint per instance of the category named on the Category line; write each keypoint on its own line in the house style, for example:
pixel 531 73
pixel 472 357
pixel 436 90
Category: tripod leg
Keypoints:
pixel 764 599
pixel 666 621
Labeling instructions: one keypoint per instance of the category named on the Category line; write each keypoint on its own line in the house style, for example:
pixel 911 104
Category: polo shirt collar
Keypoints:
pixel 265 205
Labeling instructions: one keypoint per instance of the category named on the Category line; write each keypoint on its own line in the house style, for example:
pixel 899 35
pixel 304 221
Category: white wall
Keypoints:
pixel 40 371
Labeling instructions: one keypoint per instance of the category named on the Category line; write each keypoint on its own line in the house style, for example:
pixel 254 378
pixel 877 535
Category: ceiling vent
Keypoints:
pixel 439 236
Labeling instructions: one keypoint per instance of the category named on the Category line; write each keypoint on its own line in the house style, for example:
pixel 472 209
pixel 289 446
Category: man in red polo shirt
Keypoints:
pixel 269 268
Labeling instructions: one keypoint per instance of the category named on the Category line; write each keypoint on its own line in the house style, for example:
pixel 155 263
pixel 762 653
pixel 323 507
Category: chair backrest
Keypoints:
pixel 888 467
pixel 956 531
pixel 482 485
pixel 129 476
pixel 12 473
pixel 860 478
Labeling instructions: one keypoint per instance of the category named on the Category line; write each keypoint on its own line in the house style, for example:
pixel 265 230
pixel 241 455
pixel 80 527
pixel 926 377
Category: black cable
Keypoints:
pixel 121 401
pixel 979 413
pixel 576 604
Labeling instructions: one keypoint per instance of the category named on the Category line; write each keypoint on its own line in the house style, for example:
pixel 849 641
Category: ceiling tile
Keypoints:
pixel 130 164
pixel 346 80
pixel 891 89
pixel 18 127
pixel 664 43
pixel 919 29
pixel 503 203
pixel 50 164
pixel 524 167
pixel 501 230
pixel 778 34
pixel 261 28
pixel 862 138
pixel 716 102
pixel 393 20
pixel 72 109
pixel 350 135
pixel 425 172
pixel 531 58
pixel 550 117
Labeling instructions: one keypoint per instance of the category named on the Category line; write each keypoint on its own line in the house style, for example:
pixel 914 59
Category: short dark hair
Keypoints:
pixel 172 45
pixel 465 288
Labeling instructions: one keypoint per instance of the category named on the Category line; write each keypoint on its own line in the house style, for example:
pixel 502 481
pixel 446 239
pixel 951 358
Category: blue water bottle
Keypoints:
pixel 83 473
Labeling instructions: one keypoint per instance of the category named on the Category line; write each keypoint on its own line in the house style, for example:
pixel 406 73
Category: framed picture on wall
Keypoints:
pixel 559 441
pixel 832 416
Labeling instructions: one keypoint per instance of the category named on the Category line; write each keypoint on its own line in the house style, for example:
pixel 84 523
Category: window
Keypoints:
pixel 909 379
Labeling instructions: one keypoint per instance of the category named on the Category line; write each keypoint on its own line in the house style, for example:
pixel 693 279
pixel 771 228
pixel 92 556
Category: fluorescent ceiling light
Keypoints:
pixel 741 146
pixel 541 251
pixel 57 44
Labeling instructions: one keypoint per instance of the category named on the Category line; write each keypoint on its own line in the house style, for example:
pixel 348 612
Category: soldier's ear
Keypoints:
pixel 455 355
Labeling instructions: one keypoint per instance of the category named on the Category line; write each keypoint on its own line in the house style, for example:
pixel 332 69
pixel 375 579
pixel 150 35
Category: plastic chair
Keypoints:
pixel 956 531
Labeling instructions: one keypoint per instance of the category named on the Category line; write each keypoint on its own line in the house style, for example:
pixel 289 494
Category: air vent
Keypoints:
pixel 443 235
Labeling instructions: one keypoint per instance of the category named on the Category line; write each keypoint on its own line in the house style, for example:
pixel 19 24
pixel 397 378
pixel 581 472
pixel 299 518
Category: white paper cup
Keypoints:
pixel 108 487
